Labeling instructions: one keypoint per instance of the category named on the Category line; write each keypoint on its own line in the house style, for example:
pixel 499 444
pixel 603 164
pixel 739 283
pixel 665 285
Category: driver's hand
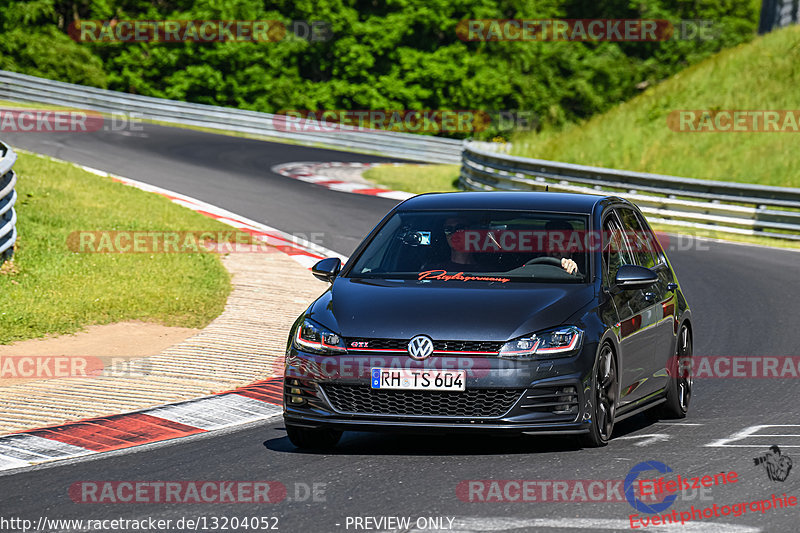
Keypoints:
pixel 569 265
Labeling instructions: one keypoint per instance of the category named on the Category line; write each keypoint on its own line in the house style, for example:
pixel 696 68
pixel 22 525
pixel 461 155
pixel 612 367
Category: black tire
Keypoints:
pixel 679 387
pixel 313 438
pixel 604 399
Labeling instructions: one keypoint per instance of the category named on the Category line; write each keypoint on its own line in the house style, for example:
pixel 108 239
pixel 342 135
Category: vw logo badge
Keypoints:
pixel 420 347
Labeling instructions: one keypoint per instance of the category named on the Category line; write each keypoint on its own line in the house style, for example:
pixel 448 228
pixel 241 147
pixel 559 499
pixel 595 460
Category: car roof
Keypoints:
pixel 510 200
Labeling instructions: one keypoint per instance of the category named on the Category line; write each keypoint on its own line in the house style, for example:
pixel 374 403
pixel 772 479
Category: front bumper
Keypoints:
pixel 547 396
pixel 428 427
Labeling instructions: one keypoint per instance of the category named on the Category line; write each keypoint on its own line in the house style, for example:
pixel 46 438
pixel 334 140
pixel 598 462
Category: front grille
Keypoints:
pixel 468 346
pixel 401 345
pixel 471 403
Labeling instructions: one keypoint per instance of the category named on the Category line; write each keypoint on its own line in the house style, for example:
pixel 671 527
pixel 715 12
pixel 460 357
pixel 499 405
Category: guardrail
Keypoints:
pixel 703 204
pixel 716 205
pixel 23 88
pixel 8 196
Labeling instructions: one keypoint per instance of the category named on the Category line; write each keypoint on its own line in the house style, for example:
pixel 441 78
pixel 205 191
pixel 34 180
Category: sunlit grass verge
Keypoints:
pixel 48 289
pixel 761 75
pixel 415 179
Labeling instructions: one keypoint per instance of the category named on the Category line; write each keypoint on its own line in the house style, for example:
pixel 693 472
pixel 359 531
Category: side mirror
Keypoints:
pixel 327 269
pixel 634 277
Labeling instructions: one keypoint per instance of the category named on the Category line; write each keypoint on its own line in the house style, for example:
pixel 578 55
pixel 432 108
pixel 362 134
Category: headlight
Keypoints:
pixel 560 342
pixel 311 337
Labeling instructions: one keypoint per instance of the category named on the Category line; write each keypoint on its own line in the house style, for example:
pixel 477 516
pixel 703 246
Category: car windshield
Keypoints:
pixel 477 246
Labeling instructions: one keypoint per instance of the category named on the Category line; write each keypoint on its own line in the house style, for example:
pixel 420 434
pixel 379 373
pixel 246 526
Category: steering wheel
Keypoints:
pixel 545 261
pixel 552 261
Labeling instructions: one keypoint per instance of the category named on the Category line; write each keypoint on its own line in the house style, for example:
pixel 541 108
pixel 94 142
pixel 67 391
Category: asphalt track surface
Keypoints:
pixel 744 301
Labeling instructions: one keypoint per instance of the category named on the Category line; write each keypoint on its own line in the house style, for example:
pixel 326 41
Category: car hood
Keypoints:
pixel 368 308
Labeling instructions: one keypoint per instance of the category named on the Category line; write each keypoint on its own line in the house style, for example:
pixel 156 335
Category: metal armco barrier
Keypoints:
pixel 8 196
pixel 726 207
pixel 23 88
pixel 703 204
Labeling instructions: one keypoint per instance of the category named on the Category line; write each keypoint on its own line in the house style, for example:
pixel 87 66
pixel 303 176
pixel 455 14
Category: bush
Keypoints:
pixel 383 55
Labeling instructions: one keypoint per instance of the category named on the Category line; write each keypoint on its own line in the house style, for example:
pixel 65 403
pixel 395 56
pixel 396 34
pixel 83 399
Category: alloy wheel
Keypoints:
pixel 684 381
pixel 606 393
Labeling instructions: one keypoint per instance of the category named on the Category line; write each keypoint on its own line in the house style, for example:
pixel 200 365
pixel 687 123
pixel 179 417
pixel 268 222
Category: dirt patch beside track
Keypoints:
pixel 148 365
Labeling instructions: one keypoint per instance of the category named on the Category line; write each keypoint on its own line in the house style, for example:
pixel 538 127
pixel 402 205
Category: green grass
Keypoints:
pixel 48 289
pixel 32 105
pixel 415 179
pixel 761 75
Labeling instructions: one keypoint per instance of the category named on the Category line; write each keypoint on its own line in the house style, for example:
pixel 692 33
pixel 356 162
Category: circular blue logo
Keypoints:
pixel 630 483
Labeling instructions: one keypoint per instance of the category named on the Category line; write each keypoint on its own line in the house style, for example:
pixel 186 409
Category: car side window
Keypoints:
pixel 615 250
pixel 658 251
pixel 641 242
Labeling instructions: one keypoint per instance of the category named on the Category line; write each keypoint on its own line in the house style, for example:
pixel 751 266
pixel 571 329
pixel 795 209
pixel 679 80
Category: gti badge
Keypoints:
pixel 420 347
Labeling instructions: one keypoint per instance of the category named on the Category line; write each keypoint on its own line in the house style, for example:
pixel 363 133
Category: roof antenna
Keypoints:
pixel 546 188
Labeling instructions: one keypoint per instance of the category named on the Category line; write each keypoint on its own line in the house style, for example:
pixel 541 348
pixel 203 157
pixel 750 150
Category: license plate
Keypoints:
pixel 408 379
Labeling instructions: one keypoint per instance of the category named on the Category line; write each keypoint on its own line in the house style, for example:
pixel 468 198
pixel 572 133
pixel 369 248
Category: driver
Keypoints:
pixel 461 259
pixel 567 262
